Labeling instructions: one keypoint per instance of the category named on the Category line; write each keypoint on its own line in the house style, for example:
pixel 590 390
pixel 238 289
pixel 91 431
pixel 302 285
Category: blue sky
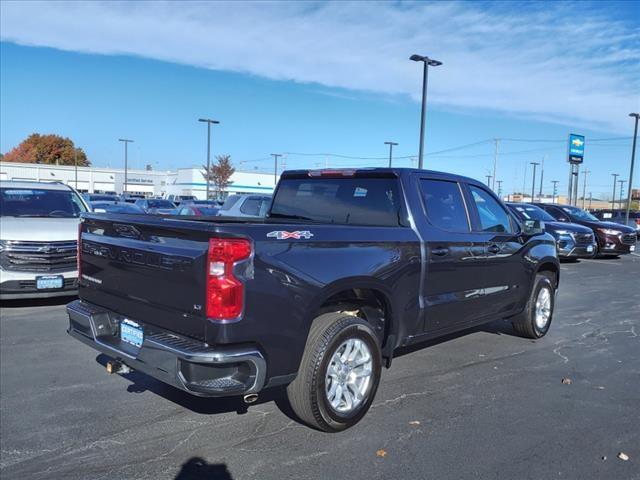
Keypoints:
pixel 326 78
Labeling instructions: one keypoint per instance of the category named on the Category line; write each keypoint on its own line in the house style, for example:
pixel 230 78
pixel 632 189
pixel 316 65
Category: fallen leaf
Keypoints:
pixel 381 453
pixel 600 387
pixel 414 422
pixel 623 456
pixel 566 381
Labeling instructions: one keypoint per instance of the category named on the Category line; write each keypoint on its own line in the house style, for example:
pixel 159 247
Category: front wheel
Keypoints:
pixel 535 320
pixel 339 373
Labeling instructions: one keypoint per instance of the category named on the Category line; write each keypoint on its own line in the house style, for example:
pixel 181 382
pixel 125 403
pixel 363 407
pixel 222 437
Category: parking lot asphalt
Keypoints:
pixel 481 404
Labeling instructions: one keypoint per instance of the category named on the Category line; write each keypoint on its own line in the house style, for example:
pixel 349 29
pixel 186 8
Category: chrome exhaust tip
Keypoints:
pixel 250 398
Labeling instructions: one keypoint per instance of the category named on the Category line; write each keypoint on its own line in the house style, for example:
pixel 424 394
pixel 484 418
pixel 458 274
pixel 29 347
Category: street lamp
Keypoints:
pixel 391 145
pixel 275 167
pixel 208 122
pixel 555 190
pixel 427 62
pixel 533 183
pixel 633 157
pixel 126 143
pixel 621 182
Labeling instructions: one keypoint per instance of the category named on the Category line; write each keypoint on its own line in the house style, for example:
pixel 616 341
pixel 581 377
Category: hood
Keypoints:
pixel 615 226
pixel 39 229
pixel 571 227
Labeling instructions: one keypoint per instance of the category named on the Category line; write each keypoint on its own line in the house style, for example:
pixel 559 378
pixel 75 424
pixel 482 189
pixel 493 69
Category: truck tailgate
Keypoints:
pixel 146 269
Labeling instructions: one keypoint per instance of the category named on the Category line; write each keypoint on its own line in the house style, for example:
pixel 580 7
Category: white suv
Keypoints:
pixel 38 239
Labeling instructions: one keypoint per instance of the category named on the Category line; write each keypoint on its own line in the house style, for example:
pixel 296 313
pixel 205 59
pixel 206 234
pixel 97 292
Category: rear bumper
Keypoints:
pixel 173 359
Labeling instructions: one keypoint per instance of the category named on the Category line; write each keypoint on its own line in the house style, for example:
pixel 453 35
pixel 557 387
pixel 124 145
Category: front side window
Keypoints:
pixel 444 205
pixel 493 218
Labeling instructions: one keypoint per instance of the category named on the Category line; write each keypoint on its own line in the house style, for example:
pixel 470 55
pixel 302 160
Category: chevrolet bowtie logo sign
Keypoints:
pixel 576 142
pixel 576 148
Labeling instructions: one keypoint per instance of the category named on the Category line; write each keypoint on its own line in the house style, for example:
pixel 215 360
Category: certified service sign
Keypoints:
pixel 576 148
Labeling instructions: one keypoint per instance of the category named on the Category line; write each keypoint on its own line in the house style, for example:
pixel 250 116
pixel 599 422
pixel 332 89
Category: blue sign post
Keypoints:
pixel 576 148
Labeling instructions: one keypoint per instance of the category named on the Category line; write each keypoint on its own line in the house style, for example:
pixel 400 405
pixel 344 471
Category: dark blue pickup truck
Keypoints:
pixel 347 266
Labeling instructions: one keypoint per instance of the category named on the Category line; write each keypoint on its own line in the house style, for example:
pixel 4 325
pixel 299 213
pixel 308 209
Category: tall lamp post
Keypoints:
pixel 584 186
pixel 613 198
pixel 126 159
pixel 391 145
pixel 555 190
pixel 533 182
pixel 621 182
pixel 208 121
pixel 633 157
pixel 275 167
pixel 427 62
pixel 499 182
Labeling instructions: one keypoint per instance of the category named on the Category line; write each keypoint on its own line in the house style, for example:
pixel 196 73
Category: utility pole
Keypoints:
pixel 126 158
pixel 621 182
pixel 391 145
pixel 613 198
pixel 499 182
pixel 427 62
pixel 541 176
pixel 555 190
pixel 208 122
pixel 275 167
pixel 495 161
pixel 633 157
pixel 533 182
pixel 584 186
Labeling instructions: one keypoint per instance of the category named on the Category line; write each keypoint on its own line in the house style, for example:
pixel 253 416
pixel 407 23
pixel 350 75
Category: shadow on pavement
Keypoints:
pixel 37 302
pixel 197 468
pixel 203 405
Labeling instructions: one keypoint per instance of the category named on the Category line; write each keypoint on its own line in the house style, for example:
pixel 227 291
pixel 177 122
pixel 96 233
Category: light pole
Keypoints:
pixel 75 155
pixel 126 158
pixel 391 145
pixel 427 62
pixel 613 198
pixel 499 182
pixel 584 186
pixel 633 157
pixel 208 121
pixel 275 167
pixel 555 190
pixel 488 180
pixel 621 182
pixel 533 182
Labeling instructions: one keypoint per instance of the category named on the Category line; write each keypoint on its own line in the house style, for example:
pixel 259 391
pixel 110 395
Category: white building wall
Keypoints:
pixel 183 181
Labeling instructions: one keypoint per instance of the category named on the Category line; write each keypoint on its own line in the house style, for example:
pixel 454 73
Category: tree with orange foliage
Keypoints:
pixel 47 149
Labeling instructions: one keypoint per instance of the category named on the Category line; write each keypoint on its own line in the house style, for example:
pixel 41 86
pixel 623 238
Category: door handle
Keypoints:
pixel 441 251
pixel 494 249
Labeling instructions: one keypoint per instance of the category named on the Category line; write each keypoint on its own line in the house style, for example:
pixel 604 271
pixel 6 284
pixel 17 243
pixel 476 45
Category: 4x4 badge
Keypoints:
pixel 284 235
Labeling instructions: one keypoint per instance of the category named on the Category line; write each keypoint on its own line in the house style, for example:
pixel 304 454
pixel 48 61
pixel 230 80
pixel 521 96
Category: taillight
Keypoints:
pixel 78 250
pixel 225 292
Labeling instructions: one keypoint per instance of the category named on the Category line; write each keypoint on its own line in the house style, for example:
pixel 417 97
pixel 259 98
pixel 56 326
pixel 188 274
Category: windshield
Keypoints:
pixel 160 204
pixel 531 212
pixel 36 202
pixel 579 214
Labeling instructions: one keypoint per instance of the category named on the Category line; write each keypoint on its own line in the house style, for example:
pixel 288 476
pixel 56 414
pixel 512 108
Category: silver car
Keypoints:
pixel 245 206
pixel 38 239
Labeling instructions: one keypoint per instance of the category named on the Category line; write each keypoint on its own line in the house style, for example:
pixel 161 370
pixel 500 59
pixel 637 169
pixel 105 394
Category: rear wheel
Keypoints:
pixel 535 320
pixel 339 373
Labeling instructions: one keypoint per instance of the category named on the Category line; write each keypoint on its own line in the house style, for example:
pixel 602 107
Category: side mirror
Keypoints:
pixel 533 227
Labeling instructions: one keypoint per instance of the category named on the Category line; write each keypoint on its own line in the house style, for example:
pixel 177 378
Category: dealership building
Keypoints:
pixel 183 181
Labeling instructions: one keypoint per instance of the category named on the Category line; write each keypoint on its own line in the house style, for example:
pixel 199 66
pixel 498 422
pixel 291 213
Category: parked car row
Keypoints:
pixel 39 229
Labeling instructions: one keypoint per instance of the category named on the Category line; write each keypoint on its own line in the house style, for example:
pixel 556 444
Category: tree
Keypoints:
pixel 47 149
pixel 220 173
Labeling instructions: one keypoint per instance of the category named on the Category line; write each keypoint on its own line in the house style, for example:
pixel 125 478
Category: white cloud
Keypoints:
pixel 524 61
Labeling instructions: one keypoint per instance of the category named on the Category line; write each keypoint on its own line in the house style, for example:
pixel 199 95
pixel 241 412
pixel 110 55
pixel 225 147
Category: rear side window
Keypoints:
pixel 493 218
pixel 251 206
pixel 347 201
pixel 230 202
pixel 444 204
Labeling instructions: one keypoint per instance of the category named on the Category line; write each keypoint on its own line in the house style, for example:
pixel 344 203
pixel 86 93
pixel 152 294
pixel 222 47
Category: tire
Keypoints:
pixel 308 395
pixel 525 324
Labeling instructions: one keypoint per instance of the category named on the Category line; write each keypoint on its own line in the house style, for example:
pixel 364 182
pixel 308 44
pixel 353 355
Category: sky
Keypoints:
pixel 328 83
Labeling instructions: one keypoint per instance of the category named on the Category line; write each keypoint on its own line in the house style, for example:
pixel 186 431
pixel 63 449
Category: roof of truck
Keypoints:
pixel 34 184
pixel 382 171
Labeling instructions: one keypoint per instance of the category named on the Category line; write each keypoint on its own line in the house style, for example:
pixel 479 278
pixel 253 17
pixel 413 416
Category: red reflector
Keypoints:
pixel 332 173
pixel 225 292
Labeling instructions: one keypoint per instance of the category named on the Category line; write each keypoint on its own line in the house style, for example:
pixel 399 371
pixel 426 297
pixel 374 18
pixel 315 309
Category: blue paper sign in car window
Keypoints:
pixel 576 148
